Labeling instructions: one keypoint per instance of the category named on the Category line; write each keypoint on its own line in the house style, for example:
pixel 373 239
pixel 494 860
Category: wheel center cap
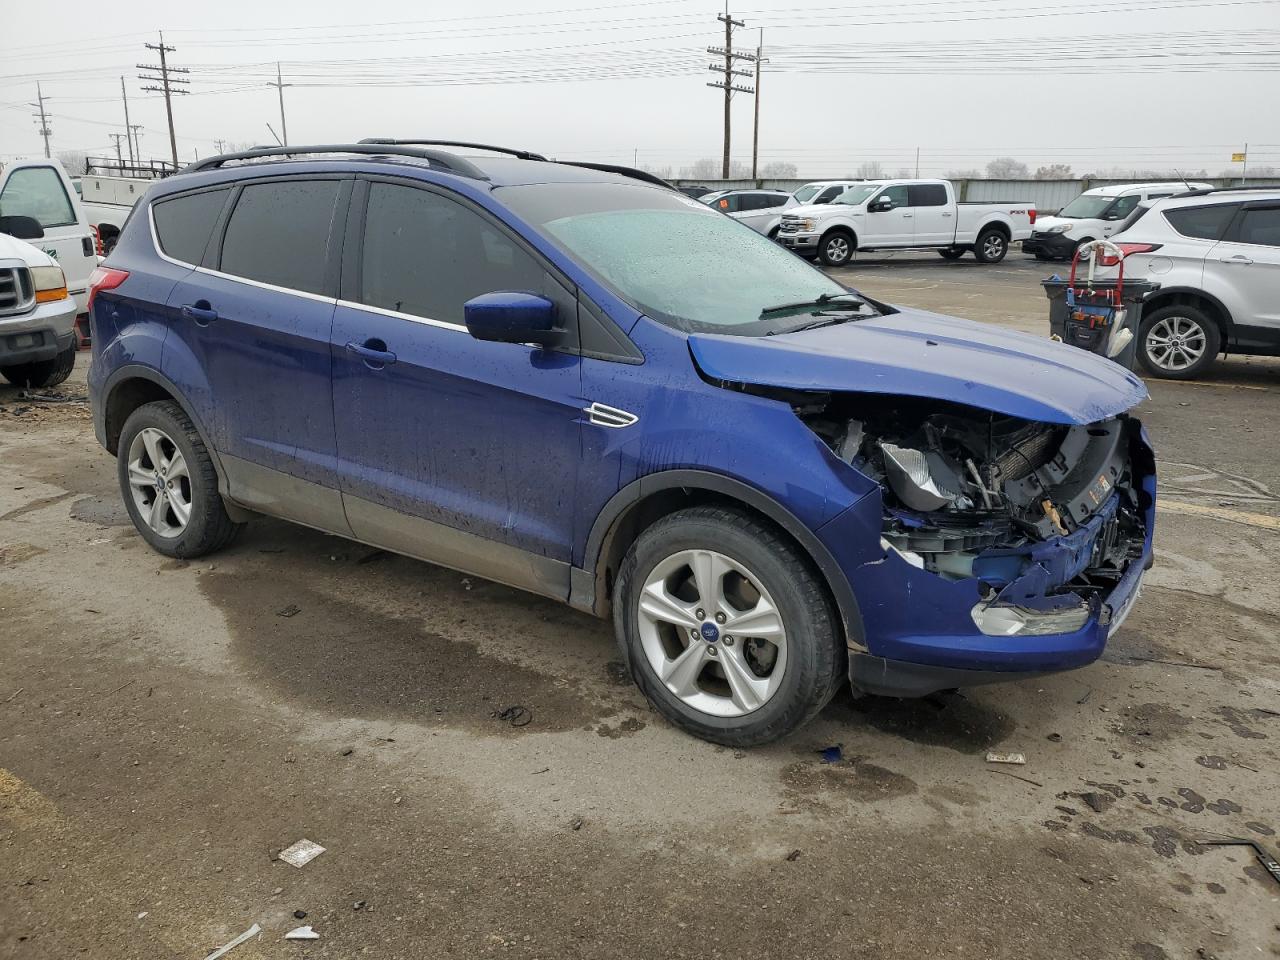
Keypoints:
pixel 710 632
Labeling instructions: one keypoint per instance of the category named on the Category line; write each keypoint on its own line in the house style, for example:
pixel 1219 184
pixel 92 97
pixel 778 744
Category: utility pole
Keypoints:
pixel 167 84
pixel 727 84
pixel 44 119
pixel 116 138
pixel 128 131
pixel 917 163
pixel 755 129
pixel 136 130
pixel 284 131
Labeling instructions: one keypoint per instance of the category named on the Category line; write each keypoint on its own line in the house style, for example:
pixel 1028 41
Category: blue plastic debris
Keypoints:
pixel 832 754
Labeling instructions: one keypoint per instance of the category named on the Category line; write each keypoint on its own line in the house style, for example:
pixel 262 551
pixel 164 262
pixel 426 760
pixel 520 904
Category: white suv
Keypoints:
pixel 1216 256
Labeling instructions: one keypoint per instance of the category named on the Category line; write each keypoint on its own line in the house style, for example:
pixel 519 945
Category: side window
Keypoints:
pixel 828 195
pixel 1260 225
pixel 927 195
pixel 895 195
pixel 729 204
pixel 1203 223
pixel 1122 207
pixel 279 233
pixel 427 255
pixel 37 192
pixel 183 224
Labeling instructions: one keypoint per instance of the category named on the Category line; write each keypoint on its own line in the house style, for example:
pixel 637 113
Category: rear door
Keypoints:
pixel 759 210
pixel 256 318
pixel 890 228
pixel 933 214
pixel 1243 270
pixel 41 190
pixel 452 449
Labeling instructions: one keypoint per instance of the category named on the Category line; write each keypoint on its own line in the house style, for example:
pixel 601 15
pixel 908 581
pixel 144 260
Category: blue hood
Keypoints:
pixel 920 354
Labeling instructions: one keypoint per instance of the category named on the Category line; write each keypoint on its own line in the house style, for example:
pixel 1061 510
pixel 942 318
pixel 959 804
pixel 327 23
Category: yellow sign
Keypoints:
pixel 1237 158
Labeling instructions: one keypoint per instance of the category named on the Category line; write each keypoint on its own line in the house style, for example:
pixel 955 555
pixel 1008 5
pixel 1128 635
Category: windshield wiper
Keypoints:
pixel 825 321
pixel 821 301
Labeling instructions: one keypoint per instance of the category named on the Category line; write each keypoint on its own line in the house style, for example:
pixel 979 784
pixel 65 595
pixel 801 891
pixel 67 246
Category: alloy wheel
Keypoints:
pixel 837 249
pixel 993 246
pixel 712 633
pixel 159 482
pixel 1176 343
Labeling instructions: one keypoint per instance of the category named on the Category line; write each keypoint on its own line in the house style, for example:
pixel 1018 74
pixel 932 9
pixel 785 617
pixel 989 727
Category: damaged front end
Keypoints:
pixel 1006 544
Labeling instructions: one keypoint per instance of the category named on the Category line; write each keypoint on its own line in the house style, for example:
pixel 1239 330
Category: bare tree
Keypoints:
pixel 73 161
pixel 663 172
pixel 705 169
pixel 964 174
pixel 870 170
pixel 779 169
pixel 1054 171
pixel 1007 168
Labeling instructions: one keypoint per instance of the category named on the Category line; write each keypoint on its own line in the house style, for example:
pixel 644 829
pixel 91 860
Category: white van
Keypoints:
pixel 1095 215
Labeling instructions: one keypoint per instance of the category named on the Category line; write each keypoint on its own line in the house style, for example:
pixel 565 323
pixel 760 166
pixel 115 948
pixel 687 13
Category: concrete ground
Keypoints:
pixel 165 730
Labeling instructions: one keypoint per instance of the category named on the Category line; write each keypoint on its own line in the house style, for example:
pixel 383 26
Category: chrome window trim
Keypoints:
pixel 396 314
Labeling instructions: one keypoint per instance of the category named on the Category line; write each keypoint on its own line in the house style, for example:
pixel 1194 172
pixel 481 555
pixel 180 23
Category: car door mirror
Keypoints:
pixel 880 205
pixel 22 228
pixel 507 316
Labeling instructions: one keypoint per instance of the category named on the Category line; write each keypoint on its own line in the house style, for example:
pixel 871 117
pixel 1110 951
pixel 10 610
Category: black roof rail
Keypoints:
pixel 1202 192
pixel 518 154
pixel 437 158
pixel 632 172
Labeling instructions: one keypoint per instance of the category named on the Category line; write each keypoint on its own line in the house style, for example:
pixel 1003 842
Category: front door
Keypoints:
pixel 1244 272
pixel 452 449
pixel 257 320
pixel 41 191
pixel 889 228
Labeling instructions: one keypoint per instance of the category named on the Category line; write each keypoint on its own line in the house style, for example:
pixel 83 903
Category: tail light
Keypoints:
pixel 104 278
pixel 97 242
pixel 1032 214
pixel 1108 259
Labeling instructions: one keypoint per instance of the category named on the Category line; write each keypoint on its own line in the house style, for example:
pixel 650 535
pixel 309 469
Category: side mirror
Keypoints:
pixel 22 228
pixel 880 206
pixel 507 316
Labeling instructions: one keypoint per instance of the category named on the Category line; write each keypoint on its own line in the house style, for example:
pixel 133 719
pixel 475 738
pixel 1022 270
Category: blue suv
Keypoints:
pixel 577 381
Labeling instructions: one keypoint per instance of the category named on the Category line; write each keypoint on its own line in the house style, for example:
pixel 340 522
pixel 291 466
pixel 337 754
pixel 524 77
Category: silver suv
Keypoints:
pixel 1216 256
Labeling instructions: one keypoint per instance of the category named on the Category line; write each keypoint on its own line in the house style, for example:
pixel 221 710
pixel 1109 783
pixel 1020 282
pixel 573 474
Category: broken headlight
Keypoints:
pixel 998 620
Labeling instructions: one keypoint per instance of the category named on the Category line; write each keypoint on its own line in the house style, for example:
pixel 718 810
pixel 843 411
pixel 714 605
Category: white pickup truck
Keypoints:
pixel 905 215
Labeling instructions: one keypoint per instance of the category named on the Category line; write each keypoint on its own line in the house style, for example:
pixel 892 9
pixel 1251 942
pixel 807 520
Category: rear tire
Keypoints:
pixel 161 455
pixel 991 247
pixel 951 253
pixel 1178 342
pixel 721 687
pixel 836 248
pixel 42 373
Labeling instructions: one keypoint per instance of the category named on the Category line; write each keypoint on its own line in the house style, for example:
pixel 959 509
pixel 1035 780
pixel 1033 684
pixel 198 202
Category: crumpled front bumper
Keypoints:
pixel 920 630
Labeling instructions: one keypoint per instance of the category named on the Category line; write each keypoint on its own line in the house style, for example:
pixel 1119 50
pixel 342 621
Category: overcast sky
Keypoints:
pixel 1093 83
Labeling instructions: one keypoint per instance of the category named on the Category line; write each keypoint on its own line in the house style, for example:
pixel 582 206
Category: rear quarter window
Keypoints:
pixel 279 233
pixel 927 195
pixel 1203 223
pixel 184 224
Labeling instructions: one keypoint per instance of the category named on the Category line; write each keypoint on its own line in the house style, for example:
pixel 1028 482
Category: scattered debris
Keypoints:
pixel 348 751
pixel 1014 758
pixel 832 754
pixel 359 905
pixel 299 914
pixel 539 772
pixel 516 715
pixel 1054 738
pixel 576 823
pixel 1098 802
pixel 1087 694
pixel 302 933
pixel 793 856
pixel 49 398
pixel 301 853
pixel 1006 773
pixel 1268 862
pixel 292 610
pixel 14 694
pixel 1173 663
pixel 466 583
pixel 143 915
pixel 228 947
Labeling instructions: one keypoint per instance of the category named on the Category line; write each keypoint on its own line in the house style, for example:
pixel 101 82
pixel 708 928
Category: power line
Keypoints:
pixel 728 85
pixel 167 84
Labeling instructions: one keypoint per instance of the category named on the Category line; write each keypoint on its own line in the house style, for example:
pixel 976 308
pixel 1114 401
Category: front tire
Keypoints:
pixel 836 248
pixel 169 485
pixel 42 373
pixel 991 247
pixel 726 627
pixel 1178 342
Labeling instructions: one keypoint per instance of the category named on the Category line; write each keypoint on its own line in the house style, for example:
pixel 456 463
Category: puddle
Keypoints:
pixel 350 662
pixel 1150 722
pixel 943 720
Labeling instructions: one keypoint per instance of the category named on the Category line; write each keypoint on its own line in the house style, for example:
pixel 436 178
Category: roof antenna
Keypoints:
pixel 1182 178
pixel 273 133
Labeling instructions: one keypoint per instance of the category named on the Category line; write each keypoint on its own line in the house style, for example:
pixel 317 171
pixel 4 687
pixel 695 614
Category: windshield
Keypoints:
pixel 805 193
pixel 858 194
pixel 1086 207
pixel 675 260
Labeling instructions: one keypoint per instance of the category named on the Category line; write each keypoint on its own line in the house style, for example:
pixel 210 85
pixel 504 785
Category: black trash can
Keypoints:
pixel 1089 321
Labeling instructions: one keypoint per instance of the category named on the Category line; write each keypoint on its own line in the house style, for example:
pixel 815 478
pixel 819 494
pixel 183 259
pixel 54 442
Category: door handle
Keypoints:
pixel 907 216
pixel 946 214
pixel 1239 260
pixel 374 353
pixel 202 315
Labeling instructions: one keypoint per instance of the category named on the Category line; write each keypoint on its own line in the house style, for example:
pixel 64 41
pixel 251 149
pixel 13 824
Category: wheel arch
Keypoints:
pixel 839 228
pixel 1192 297
pixel 998 225
pixel 642 502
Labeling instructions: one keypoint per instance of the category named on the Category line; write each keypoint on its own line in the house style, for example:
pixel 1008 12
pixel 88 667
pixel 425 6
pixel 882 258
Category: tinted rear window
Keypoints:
pixel 927 195
pixel 279 233
pixel 183 224
pixel 1260 225
pixel 1205 223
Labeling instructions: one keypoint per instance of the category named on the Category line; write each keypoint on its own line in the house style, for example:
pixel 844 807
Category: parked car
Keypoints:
pixel 1216 256
pixel 695 191
pixel 756 208
pixel 596 389
pixel 1095 215
pixel 41 190
pixel 905 215
pixel 818 192
pixel 37 313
